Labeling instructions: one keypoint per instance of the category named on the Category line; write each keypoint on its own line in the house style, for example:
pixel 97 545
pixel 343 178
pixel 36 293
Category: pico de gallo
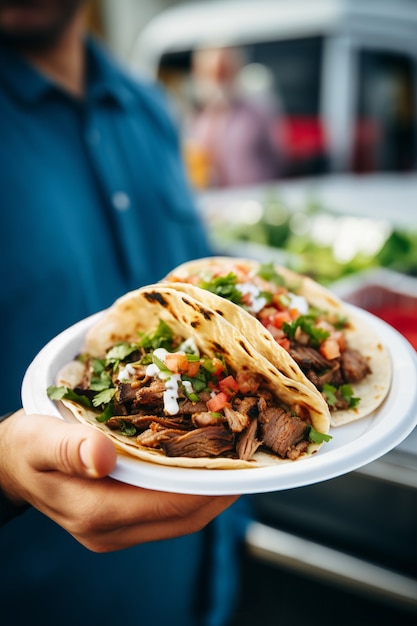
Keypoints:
pixel 314 338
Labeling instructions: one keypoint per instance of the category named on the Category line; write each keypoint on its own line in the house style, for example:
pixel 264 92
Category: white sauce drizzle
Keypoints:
pixel 127 372
pixel 189 345
pixel 171 394
pixel 188 386
pixel 171 382
pixel 257 301
pixel 298 302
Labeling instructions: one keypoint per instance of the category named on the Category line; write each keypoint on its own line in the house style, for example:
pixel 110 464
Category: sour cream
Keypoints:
pixel 127 372
pixel 257 301
pixel 189 345
pixel 298 302
pixel 172 382
pixel 171 394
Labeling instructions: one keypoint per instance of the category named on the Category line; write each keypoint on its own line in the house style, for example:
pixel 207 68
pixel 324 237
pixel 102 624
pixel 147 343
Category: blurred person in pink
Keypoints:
pixel 232 134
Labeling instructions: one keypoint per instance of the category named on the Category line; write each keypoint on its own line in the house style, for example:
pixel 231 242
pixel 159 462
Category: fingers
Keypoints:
pixel 193 522
pixel 200 511
pixel 72 449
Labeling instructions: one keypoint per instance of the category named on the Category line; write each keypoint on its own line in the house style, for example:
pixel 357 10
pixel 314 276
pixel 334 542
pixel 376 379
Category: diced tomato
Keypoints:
pixel 277 333
pixel 193 367
pixel 325 325
pixel 241 272
pixel 248 383
pixel 229 386
pixel 284 343
pixel 340 338
pixel 280 298
pixel 218 402
pixel 280 317
pixel 295 313
pixel 330 349
pixel 177 363
pixel 218 366
pixel 247 299
pixel 214 366
pixel 267 313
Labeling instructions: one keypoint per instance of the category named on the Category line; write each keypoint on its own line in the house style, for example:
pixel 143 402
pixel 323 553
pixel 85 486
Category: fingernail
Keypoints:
pixel 85 456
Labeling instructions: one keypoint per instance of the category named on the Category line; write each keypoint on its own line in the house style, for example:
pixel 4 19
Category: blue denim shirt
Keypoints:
pixel 94 202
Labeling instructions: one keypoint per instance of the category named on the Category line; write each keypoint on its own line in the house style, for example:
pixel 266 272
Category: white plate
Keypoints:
pixel 352 446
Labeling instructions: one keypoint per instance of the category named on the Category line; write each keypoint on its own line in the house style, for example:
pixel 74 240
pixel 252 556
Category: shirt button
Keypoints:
pixel 120 200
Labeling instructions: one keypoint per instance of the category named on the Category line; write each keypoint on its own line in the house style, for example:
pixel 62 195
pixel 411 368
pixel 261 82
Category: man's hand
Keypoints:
pixel 62 470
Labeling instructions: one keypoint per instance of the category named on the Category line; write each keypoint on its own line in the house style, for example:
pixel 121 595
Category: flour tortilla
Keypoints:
pixel 372 390
pixel 140 312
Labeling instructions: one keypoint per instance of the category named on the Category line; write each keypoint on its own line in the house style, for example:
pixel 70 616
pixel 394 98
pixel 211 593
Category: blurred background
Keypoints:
pixel 298 124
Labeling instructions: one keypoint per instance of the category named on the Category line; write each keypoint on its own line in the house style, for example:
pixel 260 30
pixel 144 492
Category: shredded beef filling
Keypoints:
pixel 249 423
pixel 350 367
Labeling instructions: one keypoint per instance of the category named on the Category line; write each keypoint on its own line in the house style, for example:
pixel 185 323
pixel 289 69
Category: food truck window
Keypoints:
pixel 385 136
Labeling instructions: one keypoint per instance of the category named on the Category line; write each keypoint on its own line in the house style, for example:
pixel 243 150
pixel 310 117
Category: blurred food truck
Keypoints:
pixel 344 73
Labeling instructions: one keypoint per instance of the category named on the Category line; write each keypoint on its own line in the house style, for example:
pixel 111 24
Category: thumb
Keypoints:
pixel 73 449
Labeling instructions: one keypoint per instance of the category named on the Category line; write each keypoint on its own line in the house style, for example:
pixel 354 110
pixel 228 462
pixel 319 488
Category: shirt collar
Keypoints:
pixel 105 81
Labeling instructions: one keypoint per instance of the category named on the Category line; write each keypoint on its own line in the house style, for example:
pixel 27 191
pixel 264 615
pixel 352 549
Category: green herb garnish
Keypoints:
pixel 64 393
pixel 163 337
pixel 316 437
pixel 307 324
pixel 268 272
pixel 330 393
pixel 347 395
pixel 103 397
pixel 224 286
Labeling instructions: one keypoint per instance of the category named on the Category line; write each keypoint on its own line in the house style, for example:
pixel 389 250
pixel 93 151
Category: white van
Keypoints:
pixel 346 72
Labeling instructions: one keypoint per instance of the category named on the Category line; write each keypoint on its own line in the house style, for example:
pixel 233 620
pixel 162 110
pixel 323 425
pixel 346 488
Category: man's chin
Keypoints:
pixel 37 25
pixel 30 41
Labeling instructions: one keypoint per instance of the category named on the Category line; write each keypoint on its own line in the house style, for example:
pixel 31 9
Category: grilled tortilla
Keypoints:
pixel 281 311
pixel 245 413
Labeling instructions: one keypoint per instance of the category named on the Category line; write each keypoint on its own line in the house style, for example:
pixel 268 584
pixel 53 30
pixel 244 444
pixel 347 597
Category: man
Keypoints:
pixel 94 203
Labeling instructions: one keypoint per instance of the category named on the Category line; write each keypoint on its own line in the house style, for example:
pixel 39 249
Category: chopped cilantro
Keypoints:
pixel 316 437
pixel 101 382
pixel 307 325
pixel 127 429
pixel 268 272
pixel 64 393
pixel 345 391
pixel 340 323
pixel 199 382
pixel 191 395
pixel 224 286
pixel 330 393
pixel 163 337
pixel 120 351
pixel 347 395
pixel 160 364
pixel 107 413
pixel 103 397
pixel 98 366
pixel 267 295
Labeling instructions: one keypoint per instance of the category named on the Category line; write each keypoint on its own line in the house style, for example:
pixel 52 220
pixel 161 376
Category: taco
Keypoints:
pixel 282 311
pixel 172 382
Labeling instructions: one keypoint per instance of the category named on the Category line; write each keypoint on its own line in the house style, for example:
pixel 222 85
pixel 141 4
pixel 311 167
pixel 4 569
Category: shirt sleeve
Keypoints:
pixel 8 510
